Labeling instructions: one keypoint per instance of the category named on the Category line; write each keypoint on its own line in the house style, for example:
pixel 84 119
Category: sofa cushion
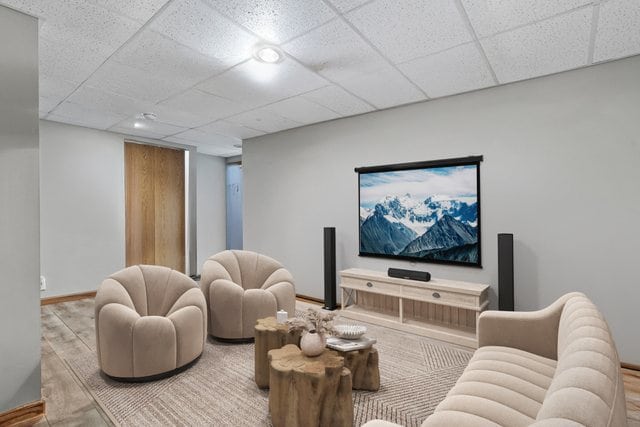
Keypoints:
pixel 501 386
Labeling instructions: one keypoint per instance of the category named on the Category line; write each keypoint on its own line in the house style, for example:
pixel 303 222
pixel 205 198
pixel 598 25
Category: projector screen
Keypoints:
pixel 423 211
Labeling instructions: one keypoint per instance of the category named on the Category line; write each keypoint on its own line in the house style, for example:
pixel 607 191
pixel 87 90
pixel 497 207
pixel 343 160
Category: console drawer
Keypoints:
pixel 371 286
pixel 435 296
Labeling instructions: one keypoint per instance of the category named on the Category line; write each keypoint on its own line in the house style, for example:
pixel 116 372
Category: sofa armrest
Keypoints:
pixel 533 331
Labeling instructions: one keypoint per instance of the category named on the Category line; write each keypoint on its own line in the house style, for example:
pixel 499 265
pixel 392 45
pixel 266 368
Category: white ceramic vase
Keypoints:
pixel 312 344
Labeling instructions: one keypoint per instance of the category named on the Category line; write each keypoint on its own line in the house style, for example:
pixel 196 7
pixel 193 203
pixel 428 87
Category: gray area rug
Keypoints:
pixel 415 375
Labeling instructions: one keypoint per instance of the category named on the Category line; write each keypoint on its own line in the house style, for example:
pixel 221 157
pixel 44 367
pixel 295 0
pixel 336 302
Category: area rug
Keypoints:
pixel 415 375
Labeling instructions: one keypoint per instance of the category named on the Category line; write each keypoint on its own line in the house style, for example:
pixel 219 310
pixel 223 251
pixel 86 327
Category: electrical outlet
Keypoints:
pixel 43 284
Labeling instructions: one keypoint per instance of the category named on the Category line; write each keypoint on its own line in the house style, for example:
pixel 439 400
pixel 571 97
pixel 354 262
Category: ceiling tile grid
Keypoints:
pixel 104 62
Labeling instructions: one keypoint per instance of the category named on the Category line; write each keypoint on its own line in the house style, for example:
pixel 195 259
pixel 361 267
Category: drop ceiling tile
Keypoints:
pixel 72 63
pixel 456 70
pixel 198 26
pixel 47 104
pixel 335 51
pixel 276 20
pixel 167 59
pixel 489 17
pixel 263 120
pixel 179 118
pixel 69 112
pixel 125 80
pixel 347 5
pixel 338 100
pixel 220 152
pixel 618 30
pixel 301 110
pixel 53 88
pixel 546 47
pixel 384 88
pixel 409 29
pixel 254 83
pixel 224 127
pixel 82 22
pixel 140 10
pixel 134 125
pixel 200 137
pixel 91 97
pixel 203 104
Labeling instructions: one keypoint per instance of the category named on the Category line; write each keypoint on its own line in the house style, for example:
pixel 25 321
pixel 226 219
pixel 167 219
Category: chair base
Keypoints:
pixel 155 377
pixel 233 340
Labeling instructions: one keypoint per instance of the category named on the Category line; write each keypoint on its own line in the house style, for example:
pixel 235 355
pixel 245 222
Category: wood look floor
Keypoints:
pixel 68 330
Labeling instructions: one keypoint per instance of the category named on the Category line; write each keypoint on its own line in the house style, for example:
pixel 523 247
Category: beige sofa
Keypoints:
pixel 150 321
pixel 553 367
pixel 241 287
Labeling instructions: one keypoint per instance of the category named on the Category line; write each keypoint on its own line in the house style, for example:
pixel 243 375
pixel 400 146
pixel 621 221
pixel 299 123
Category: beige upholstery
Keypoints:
pixel 241 287
pixel 553 367
pixel 150 320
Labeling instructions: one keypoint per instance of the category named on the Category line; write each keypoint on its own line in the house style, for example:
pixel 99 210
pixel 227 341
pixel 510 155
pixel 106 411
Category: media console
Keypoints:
pixel 442 309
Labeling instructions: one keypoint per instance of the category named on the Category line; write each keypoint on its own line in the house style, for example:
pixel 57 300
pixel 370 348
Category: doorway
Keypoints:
pixel 154 205
pixel 234 206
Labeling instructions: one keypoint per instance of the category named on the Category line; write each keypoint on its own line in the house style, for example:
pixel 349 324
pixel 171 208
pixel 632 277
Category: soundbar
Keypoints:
pixel 400 273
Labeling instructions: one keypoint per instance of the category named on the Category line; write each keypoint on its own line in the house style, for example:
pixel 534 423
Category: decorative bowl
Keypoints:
pixel 351 332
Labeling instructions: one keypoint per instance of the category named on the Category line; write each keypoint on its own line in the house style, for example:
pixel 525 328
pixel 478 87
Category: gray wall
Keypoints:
pixel 82 207
pixel 19 213
pixel 211 206
pixel 234 206
pixel 561 172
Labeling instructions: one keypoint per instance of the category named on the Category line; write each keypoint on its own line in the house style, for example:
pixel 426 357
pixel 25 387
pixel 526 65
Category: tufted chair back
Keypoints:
pixel 241 287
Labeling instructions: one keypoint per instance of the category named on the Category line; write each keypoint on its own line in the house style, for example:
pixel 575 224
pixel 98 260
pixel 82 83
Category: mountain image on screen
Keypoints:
pixel 436 228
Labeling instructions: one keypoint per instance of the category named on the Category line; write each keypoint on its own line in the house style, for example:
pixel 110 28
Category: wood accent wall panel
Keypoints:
pixel 154 206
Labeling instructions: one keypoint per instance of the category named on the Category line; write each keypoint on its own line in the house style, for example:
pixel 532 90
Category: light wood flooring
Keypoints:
pixel 68 330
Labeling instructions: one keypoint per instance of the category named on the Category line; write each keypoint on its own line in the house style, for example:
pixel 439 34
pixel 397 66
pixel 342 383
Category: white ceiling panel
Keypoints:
pixel 173 116
pixel 490 17
pixel 384 88
pixel 224 127
pixel 198 26
pixel 618 30
pixel 145 133
pixel 140 10
pixel 158 128
pixel 53 88
pixel 89 97
pixel 346 5
pixel 73 63
pixel 302 110
pixel 409 29
pixel 200 137
pixel 125 80
pixel 218 151
pixel 69 112
pixel 167 59
pixel 338 100
pixel 45 105
pixel 263 120
pixel 335 51
pixel 546 47
pixel 276 21
pixel 254 83
pixel 203 104
pixel 456 70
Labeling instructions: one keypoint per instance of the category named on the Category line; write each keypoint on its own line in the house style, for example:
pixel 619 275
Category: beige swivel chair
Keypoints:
pixel 150 322
pixel 241 287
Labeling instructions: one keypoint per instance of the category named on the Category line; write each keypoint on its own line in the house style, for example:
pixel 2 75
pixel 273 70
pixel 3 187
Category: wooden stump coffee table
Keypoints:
pixel 363 365
pixel 270 335
pixel 309 391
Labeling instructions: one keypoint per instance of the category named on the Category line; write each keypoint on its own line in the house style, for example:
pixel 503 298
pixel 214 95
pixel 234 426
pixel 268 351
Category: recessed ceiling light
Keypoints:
pixel 138 125
pixel 268 54
pixel 149 116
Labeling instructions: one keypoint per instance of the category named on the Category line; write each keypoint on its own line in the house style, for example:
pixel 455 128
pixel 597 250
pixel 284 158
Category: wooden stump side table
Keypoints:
pixel 309 391
pixel 269 335
pixel 363 365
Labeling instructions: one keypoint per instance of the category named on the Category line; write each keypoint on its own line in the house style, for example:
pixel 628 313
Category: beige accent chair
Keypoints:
pixel 241 287
pixel 554 367
pixel 150 321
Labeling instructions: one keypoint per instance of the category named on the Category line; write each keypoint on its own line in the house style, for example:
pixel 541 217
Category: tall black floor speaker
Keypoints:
pixel 505 271
pixel 329 268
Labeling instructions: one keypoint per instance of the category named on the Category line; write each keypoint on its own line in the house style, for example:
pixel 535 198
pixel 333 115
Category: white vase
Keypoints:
pixel 312 344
